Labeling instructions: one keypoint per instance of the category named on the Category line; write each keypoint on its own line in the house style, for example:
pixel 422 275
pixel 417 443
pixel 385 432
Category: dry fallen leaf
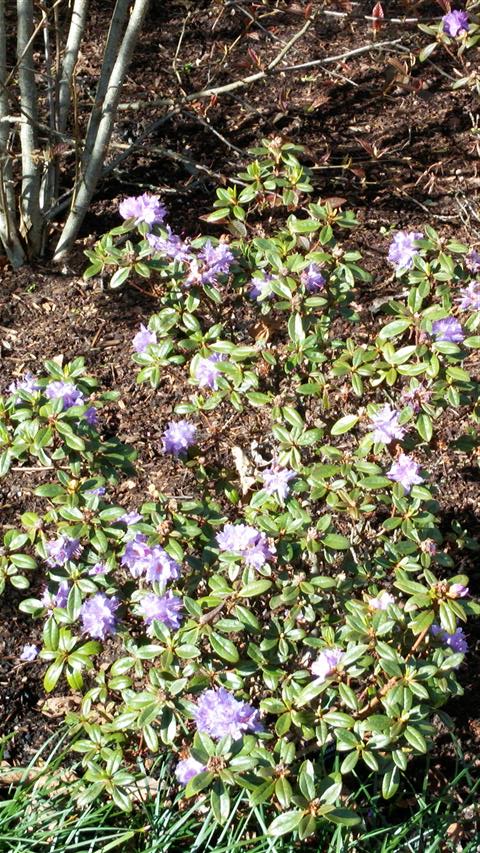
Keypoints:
pixel 244 469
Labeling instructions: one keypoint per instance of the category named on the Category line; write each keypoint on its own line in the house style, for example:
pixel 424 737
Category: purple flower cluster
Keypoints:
pixel 406 472
pixel 143 339
pixel 455 23
pixel 149 560
pixel 276 481
pixel 144 208
pixel 59 599
pixel 187 769
pixel 456 641
pixel 211 262
pixel 29 383
pixel 260 287
pixel 386 426
pixel 470 297
pixel 206 371
pixel 166 608
pixel 416 396
pixel 327 662
pixel 98 615
pixel 219 714
pixel 65 391
pixel 129 518
pixel 178 437
pixel 246 542
pixel 312 278
pixel 98 569
pixel 402 249
pixel 91 416
pixel 448 330
pixel 61 550
pixel 172 246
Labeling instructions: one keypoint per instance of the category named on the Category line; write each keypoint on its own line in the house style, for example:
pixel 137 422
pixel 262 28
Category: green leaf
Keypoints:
pixel 335 541
pixel 224 648
pixel 393 329
pixel 424 427
pixel 344 424
pixel 198 783
pixel 347 817
pixel 52 675
pixel 416 739
pixel 250 590
pixel 284 823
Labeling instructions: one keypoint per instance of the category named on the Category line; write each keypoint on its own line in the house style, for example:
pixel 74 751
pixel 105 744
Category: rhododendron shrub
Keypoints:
pixel 295 627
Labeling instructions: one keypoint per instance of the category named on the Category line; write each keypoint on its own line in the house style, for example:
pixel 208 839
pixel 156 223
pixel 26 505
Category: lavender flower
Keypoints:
pixel 327 663
pixel 129 518
pixel 65 391
pixel 260 287
pixel 91 416
pixel 455 22
pixel 456 641
pixel 472 261
pixel 98 615
pixel 449 330
pixel 206 372
pixel 29 384
pixel 59 599
pixel 149 560
pixel 29 653
pixel 217 261
pixel 405 471
pixel 172 246
pixel 458 590
pixel 386 425
pixel 415 397
pixel 143 208
pixel 99 491
pixel 246 542
pixel 143 339
pixel 382 601
pixel 219 714
pixel 187 769
pixel 178 437
pixel 470 297
pixel 166 608
pixel 276 480
pixel 312 278
pixel 61 550
pixel 98 569
pixel 402 249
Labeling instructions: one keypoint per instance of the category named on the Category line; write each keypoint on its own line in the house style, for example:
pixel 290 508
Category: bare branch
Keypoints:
pixel 9 236
pixel 97 151
pixel 70 56
pixel 109 57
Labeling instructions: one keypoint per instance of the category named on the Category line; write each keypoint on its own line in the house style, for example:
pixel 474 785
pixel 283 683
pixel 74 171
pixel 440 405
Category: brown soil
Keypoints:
pixel 400 151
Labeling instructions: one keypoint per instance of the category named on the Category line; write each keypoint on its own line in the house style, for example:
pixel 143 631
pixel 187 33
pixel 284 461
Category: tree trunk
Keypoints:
pixel 31 224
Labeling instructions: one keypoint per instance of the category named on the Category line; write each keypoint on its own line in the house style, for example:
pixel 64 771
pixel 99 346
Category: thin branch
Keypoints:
pixel 328 60
pixel 273 68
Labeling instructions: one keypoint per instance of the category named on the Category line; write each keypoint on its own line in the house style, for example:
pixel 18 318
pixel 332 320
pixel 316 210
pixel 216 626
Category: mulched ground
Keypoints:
pixel 391 139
